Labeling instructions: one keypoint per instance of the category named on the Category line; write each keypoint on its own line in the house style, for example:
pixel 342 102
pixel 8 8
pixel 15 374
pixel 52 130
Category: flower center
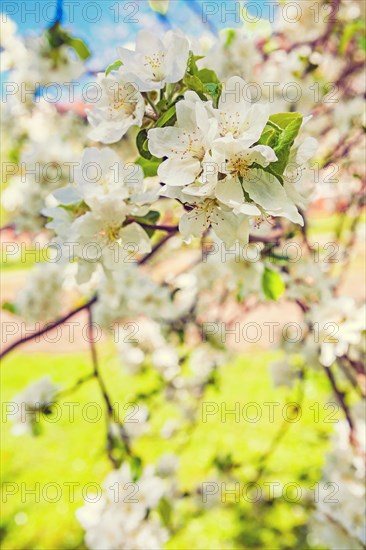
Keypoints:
pixel 119 102
pixel 238 164
pixel 110 233
pixel 156 62
pixel 229 123
pixel 192 146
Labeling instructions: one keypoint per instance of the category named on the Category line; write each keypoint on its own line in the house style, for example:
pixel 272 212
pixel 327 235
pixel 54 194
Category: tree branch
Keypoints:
pixel 340 396
pixel 48 327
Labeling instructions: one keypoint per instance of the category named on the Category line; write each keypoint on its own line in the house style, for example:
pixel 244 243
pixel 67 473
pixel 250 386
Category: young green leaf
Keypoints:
pixel 80 47
pixel 8 306
pixel 150 167
pixel 290 124
pixel 168 118
pixel 142 144
pixel 113 67
pixel 272 284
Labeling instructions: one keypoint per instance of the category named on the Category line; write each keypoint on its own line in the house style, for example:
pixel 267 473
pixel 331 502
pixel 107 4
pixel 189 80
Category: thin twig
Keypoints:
pixel 340 396
pixel 157 247
pixel 47 328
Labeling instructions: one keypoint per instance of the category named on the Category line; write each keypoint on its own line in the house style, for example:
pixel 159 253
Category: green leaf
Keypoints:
pixel 192 68
pixel 272 284
pixel 349 32
pixel 230 36
pixel 113 67
pixel 150 167
pixel 165 511
pixel 136 467
pixel 142 144
pixel 168 118
pixel 204 82
pixel 269 137
pixel 79 46
pixel 362 43
pixel 207 76
pixel 194 83
pixel 289 124
pixel 282 120
pixel 8 306
pixel 212 85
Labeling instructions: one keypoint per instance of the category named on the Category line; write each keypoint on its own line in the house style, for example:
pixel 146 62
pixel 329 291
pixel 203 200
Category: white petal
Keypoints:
pixel 177 171
pixel 229 191
pixel 164 141
pixel 265 155
pixel 306 150
pixel 135 235
pixel 267 191
pixel 225 225
pixel 193 224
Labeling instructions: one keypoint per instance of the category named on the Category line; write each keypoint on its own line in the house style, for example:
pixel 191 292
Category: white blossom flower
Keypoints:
pixel 296 184
pixel 37 397
pixel 127 292
pixel 339 522
pixel 136 422
pixel 340 324
pixel 186 144
pixel 119 107
pixel 41 297
pixel 118 521
pixel 210 213
pixel 237 117
pixel 155 62
pixel 113 191
pixel 234 53
pixel 261 187
pixel 166 360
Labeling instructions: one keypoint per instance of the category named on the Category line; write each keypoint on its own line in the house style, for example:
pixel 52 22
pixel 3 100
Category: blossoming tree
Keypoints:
pixel 155 209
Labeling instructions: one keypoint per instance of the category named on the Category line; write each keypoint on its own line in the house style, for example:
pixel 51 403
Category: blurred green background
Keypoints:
pixel 75 452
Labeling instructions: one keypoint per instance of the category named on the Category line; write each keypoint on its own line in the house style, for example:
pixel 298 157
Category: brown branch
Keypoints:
pixel 96 372
pixel 167 228
pixel 273 238
pixel 111 416
pixel 157 247
pixel 340 396
pixel 47 328
pixel 87 305
pixel 77 385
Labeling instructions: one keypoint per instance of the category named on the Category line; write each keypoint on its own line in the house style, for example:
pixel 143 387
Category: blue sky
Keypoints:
pixel 105 24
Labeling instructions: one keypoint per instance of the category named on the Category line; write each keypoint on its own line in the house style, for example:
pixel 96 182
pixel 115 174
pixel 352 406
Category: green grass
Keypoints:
pixel 74 452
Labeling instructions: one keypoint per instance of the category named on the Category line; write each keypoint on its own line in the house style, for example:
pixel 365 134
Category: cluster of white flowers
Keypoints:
pixel 42 296
pixel 127 293
pixel 215 166
pixel 149 346
pixel 122 518
pixel 106 193
pixel 225 161
pixel 234 53
pixel 339 523
pixel 151 66
pixel 29 405
pixel 48 144
pixel 34 61
pixel 334 329
pixel 342 326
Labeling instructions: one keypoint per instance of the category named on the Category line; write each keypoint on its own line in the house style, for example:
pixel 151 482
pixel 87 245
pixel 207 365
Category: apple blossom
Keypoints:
pixel 155 62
